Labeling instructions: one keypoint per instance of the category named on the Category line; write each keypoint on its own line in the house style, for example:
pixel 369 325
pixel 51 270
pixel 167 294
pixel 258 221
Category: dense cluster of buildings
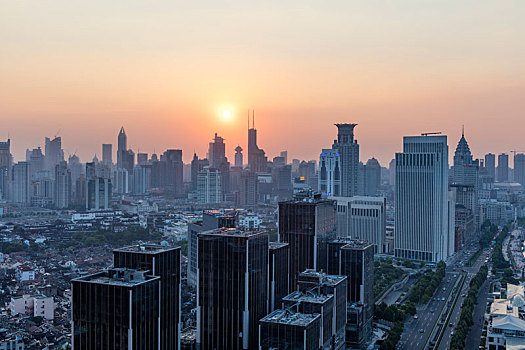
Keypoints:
pixel 276 253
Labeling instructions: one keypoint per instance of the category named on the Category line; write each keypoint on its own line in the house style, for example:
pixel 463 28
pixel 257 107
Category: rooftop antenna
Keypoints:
pixel 58 132
pixel 463 130
pixel 253 118
pixel 248 119
pixel 430 133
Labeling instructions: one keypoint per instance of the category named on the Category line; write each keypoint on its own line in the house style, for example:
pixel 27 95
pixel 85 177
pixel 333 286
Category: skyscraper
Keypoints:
pixel 422 217
pixel 116 309
pixel 519 168
pixel 122 146
pixel 21 183
pixel 348 149
pixel 5 169
pixel 163 262
pixel 362 218
pixel 211 220
pixel 98 192
pixel 196 166
pixel 490 165
pixel 62 195
pixel 372 177
pixel 465 172
pixel 107 153
pixel 218 160
pixel 330 173
pixel 238 157
pixel 503 168
pixel 257 160
pixel 232 290
pixel 209 186
pixel 174 171
pixel 355 259
pixel 54 153
pixel 306 223
pixel 278 273
pixel 248 189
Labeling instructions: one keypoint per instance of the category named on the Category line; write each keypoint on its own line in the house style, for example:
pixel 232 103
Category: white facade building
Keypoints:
pixel 44 307
pixel 424 214
pixel 362 218
pixel 209 187
pixel 250 222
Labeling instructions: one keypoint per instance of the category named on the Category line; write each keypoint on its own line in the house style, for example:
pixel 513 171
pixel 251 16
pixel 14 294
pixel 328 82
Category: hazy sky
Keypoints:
pixel 166 69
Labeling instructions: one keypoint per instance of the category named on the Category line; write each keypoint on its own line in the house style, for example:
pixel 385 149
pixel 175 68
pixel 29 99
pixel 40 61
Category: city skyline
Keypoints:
pixel 301 66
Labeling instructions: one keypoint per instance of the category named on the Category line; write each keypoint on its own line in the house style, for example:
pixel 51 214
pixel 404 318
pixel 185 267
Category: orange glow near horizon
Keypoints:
pixel 171 72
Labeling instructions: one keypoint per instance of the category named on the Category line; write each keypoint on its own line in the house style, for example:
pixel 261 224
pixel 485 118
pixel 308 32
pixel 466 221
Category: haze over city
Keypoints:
pixel 166 70
pixel 232 175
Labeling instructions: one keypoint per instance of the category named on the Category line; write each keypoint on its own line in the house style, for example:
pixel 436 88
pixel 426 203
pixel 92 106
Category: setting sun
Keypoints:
pixel 226 114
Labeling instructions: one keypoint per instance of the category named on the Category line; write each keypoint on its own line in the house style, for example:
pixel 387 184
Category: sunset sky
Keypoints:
pixel 166 70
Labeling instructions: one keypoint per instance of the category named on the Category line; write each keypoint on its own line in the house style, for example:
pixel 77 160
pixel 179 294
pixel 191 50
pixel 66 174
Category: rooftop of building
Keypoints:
pixel 221 212
pixel 277 245
pixel 146 248
pixel 289 317
pixel 509 323
pixel 308 197
pixel 309 297
pixel 188 334
pixel 234 232
pixel 353 243
pixel 323 277
pixel 122 277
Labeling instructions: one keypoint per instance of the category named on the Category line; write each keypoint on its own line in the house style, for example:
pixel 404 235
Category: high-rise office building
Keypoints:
pixel 141 179
pixel 355 259
pixel 282 182
pixel 116 309
pixel 54 153
pixel 334 285
pixel 465 173
pixel 257 160
pixel 306 223
pixel 490 165
pixel 211 219
pixel 362 218
pixel 107 153
pixel 232 290
pixel 218 160
pixel 5 169
pixel 392 172
pixel 209 186
pixel 35 158
pixel 238 157
pixel 422 218
pixel 503 168
pixel 142 158
pixel 62 195
pixel 122 146
pixel 21 183
pixel 372 177
pixel 174 171
pixel 98 193
pixel 249 192
pixel 288 329
pixel 519 168
pixel 348 149
pixel 330 173
pixel 164 262
pixel 315 302
pixel 278 273
pixel 284 154
pixel 197 165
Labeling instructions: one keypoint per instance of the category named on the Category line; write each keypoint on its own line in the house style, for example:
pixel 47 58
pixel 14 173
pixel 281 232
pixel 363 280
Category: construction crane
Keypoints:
pixel 430 133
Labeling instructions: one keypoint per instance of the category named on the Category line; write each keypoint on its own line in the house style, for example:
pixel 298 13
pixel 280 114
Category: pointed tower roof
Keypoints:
pixel 462 154
pixel 122 132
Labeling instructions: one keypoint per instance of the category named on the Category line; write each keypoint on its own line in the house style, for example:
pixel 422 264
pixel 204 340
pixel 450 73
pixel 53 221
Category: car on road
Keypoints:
pixel 451 324
pixel 443 299
pixel 415 317
pixel 444 289
pixel 421 330
pixel 452 333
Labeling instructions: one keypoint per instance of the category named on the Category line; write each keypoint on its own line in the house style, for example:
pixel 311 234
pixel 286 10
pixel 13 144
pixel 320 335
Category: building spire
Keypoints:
pixel 463 130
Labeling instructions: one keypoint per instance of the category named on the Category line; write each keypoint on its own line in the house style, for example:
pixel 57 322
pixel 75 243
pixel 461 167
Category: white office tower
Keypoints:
pixel 423 229
pixel 363 218
pixel 329 173
pixel 209 189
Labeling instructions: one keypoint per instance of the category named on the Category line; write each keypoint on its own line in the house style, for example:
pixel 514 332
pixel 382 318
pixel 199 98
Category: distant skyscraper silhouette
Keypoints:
pixel 107 153
pixel 257 160
pixel 490 165
pixel 503 167
pixel 54 153
pixel 62 195
pixel 519 168
pixel 238 157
